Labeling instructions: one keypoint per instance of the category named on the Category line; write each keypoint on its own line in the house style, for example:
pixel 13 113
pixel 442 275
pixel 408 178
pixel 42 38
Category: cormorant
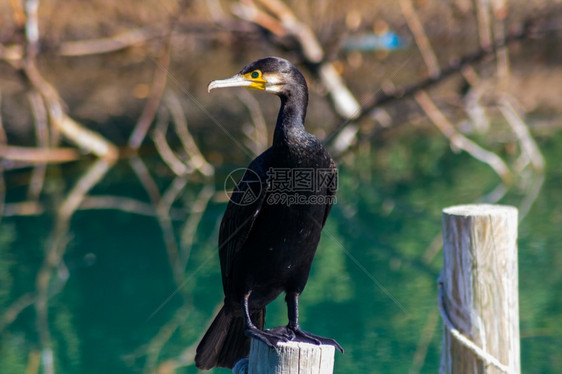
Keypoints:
pixel 267 241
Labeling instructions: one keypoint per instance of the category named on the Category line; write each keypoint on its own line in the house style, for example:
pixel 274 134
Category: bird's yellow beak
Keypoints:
pixel 239 80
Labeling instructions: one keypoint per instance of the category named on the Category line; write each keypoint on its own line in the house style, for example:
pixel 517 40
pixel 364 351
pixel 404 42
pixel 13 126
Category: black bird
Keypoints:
pixel 266 241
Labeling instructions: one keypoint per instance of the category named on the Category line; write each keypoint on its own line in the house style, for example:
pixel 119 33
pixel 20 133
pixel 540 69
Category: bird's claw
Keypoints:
pixel 269 337
pixel 285 334
pixel 306 337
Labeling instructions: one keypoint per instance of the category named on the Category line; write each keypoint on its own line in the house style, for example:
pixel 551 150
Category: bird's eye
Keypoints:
pixel 255 74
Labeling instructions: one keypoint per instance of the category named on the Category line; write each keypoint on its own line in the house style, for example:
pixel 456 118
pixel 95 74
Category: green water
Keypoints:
pixel 116 306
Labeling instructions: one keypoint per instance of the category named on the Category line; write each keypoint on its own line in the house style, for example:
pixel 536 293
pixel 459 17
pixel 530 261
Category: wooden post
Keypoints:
pixel 478 293
pixel 289 358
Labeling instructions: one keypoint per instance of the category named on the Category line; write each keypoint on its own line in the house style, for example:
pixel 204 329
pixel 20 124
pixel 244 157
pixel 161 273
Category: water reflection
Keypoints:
pixel 122 264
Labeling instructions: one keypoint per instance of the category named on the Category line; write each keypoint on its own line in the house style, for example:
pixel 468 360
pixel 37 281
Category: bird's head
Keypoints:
pixel 270 74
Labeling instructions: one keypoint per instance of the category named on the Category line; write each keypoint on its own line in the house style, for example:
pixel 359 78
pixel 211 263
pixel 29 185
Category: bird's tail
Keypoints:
pixel 225 343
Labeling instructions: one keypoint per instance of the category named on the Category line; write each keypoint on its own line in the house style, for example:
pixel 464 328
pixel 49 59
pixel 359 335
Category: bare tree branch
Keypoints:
pixel 42 135
pixel 285 23
pixel 383 97
pixel 159 81
pixel 114 43
pixel 13 310
pixel 38 155
pixel 521 130
pixel 421 38
pixel 189 230
pixel 128 205
pixel 164 149
pixel 163 215
pixel 259 139
pixel 484 23
pixel 459 141
pixel 196 158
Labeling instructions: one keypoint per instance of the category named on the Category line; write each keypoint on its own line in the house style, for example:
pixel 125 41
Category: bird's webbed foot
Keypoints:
pixel 306 337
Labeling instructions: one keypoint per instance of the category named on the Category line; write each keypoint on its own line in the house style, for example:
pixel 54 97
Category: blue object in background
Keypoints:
pixel 371 42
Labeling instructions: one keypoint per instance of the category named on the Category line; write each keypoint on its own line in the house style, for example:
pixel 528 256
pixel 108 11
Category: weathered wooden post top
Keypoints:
pixel 287 358
pixel 478 294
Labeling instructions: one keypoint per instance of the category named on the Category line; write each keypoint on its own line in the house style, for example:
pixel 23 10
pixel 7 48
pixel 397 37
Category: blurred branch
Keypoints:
pixel 500 11
pixel 24 208
pixel 472 106
pixel 484 23
pixel 42 135
pixel 164 334
pixel 259 138
pixel 18 13
pixel 31 28
pixel 195 157
pixel 38 155
pixel 420 36
pixel 426 336
pixel 436 244
pixel 186 357
pixel 164 149
pixel 13 310
pixel 521 130
pixel 126 204
pixel 530 196
pixel 163 214
pixel 55 251
pixel 81 136
pixel 87 181
pixel 112 44
pixel 162 206
pixel 388 96
pixel 198 208
pixel 159 81
pixel 3 137
pixel 459 141
pixel 283 22
pixel 3 141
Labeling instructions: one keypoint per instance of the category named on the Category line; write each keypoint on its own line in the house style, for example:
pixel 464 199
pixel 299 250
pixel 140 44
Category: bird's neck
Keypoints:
pixel 290 121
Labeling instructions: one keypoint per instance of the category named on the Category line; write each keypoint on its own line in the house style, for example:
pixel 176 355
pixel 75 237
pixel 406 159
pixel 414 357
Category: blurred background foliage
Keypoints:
pixel 114 160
